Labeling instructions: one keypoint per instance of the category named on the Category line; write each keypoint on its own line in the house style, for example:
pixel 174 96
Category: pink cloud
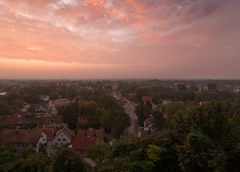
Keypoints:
pixel 167 34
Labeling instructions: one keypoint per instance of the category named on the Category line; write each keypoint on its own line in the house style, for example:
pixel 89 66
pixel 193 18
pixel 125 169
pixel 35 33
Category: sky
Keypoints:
pixel 92 39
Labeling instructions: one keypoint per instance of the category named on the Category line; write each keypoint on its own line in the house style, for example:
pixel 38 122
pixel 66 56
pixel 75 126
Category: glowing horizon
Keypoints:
pixel 79 39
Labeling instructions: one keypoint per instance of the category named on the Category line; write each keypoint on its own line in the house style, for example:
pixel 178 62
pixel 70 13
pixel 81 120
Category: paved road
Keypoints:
pixel 129 108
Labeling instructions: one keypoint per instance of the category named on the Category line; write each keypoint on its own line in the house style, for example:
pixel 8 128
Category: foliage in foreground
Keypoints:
pixel 204 138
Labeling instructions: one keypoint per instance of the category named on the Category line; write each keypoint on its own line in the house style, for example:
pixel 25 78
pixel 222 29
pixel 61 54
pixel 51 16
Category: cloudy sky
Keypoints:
pixel 79 39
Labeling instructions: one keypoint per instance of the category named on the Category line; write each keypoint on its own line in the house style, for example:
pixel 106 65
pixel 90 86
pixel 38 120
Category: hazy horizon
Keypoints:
pixel 119 39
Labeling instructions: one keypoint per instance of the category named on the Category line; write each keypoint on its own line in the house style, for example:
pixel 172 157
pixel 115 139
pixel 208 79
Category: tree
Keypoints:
pixel 159 119
pixel 199 154
pixel 117 121
pixel 211 119
pixel 17 104
pixel 32 98
pixel 173 110
pixel 108 103
pixel 70 115
pixel 142 111
pixel 141 166
pixel 33 163
pixel 99 152
pixel 54 95
pixel 154 152
pixel 88 108
pixel 30 125
pixel 212 87
pixel 174 107
pixel 142 91
pixel 7 160
pixel 68 161
pixel 4 108
pixel 181 87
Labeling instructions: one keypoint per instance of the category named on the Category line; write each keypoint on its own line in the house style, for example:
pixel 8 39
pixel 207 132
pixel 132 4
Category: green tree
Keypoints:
pixel 99 152
pixel 32 98
pixel 199 154
pixel 4 108
pixel 7 160
pixel 116 121
pixel 54 95
pixel 70 115
pixel 33 163
pixel 142 91
pixel 212 87
pixel 88 108
pixel 142 111
pixel 68 161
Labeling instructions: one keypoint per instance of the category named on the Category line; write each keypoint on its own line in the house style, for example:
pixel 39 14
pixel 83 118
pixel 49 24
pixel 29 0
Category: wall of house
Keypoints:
pixel 59 141
pixel 42 141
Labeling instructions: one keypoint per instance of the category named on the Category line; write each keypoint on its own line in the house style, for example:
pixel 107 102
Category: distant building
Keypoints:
pixel 60 102
pixel 54 104
pixel 26 107
pixel 44 98
pixel 87 138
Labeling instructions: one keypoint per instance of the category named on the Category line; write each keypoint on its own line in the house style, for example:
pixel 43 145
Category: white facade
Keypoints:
pixel 63 138
pixel 42 141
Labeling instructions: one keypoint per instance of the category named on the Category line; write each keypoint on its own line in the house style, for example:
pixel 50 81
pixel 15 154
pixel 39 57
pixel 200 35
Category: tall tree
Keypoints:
pixel 68 161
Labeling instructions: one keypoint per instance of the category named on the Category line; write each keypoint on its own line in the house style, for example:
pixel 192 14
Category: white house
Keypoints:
pixel 62 138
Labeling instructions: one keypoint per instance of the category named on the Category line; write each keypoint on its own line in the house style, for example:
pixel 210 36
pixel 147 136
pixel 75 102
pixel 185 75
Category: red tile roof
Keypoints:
pixel 86 138
pixel 61 102
pixel 50 132
pixel 39 120
pixel 20 136
pixel 147 99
